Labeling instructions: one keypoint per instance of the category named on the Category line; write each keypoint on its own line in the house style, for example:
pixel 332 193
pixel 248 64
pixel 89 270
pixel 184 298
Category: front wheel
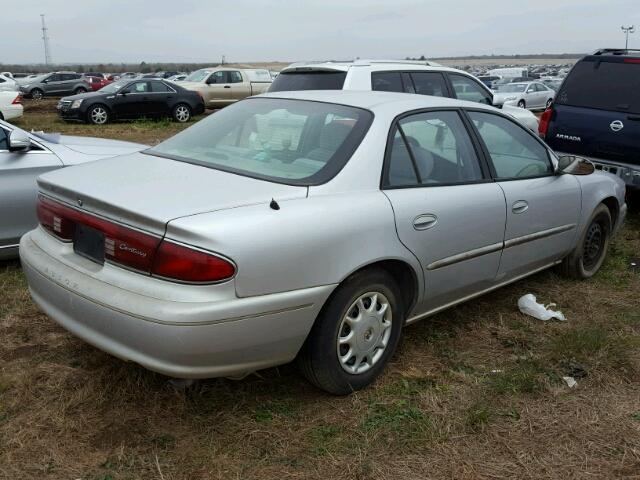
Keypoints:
pixel 355 334
pixel 522 104
pixel 181 113
pixel 79 90
pixel 37 94
pixel 98 115
pixel 587 258
pixel 549 102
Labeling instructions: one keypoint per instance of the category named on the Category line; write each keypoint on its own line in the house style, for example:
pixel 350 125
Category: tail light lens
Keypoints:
pixel 17 100
pixel 188 265
pixel 134 249
pixel 545 119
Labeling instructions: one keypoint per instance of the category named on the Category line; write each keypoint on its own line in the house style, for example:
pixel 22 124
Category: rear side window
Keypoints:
pixel 429 83
pixel 386 82
pixel 432 149
pixel 604 85
pixel 157 87
pixel 310 80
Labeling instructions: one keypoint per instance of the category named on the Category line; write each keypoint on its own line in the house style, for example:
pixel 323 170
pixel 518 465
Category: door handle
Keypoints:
pixel 425 222
pixel 227 86
pixel 520 206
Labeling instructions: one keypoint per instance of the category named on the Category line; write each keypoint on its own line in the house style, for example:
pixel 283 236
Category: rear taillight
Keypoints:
pixel 188 265
pixel 134 249
pixel 545 119
pixel 17 100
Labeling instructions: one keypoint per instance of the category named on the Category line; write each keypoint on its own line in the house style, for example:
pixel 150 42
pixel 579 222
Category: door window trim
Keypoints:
pixel 487 155
pixel 482 161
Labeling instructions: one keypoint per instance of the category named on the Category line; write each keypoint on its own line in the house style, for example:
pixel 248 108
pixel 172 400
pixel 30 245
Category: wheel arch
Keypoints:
pixel 614 209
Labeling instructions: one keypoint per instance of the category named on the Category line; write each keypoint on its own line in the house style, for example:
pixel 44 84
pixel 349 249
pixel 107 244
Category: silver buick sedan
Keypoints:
pixel 308 225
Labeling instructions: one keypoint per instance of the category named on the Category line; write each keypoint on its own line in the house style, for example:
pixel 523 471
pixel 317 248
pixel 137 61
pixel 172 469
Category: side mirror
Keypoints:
pixel 575 165
pixel 19 141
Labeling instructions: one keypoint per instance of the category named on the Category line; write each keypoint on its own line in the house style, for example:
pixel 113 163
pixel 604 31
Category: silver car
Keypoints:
pixel 23 157
pixel 531 95
pixel 308 224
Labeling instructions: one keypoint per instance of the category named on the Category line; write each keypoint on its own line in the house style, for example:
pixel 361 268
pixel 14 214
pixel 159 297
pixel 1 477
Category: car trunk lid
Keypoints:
pixel 147 191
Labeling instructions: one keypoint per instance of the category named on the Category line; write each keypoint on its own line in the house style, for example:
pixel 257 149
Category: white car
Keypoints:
pixel 10 106
pixel 7 83
pixel 421 77
pixel 531 95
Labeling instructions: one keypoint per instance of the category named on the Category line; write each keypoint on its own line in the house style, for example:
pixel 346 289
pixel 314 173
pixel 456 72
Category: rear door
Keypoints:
pixel 18 190
pixel 542 208
pixel 159 98
pixel 447 210
pixel 596 113
pixel 239 88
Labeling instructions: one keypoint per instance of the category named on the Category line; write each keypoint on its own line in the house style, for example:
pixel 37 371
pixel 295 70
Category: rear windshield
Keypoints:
pixel 606 85
pixel 296 142
pixel 316 80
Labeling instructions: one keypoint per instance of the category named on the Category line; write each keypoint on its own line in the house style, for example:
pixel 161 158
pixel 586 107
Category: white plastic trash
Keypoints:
pixel 529 306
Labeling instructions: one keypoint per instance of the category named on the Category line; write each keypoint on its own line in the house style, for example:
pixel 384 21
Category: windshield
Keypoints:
pixel 308 80
pixel 115 86
pixel 296 142
pixel 511 88
pixel 198 76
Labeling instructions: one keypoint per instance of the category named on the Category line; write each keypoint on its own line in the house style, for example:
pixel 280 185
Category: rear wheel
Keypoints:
pixel 355 334
pixel 585 261
pixel 98 115
pixel 79 90
pixel 522 104
pixel 37 94
pixel 181 113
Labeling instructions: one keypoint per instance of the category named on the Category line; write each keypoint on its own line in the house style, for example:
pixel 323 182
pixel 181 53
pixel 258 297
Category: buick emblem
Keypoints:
pixel 79 202
pixel 616 125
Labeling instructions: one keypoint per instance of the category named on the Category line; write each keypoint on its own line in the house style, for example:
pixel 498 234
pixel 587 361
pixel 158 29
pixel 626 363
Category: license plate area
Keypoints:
pixel 89 243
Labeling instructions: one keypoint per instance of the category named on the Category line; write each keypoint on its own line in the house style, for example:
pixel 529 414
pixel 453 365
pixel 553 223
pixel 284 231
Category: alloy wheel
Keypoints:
pixel 182 114
pixel 364 333
pixel 99 116
pixel 36 95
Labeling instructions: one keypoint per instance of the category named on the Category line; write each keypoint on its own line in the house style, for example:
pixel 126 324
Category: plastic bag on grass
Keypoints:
pixel 529 306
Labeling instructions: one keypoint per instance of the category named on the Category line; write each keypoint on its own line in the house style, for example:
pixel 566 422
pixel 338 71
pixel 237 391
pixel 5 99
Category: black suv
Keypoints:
pixel 596 113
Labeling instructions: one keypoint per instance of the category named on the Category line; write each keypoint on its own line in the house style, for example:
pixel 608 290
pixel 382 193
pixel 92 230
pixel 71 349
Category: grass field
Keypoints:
pixel 474 392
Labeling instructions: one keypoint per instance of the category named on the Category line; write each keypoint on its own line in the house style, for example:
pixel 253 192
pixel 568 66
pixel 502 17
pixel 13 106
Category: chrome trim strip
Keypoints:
pixel 2 247
pixel 429 313
pixel 538 235
pixel 460 257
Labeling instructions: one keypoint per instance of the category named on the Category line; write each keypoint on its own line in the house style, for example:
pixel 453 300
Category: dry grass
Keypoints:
pixel 474 392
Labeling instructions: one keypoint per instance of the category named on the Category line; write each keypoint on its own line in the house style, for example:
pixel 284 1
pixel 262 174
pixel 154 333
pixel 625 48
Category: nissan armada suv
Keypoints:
pixel 596 114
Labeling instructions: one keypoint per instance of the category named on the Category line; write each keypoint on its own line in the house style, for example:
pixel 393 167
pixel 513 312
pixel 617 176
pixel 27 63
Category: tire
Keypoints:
pixel 36 94
pixel 522 104
pixel 371 336
pixel 181 113
pixel 79 90
pixel 549 102
pixel 98 114
pixel 585 261
pixel 1 116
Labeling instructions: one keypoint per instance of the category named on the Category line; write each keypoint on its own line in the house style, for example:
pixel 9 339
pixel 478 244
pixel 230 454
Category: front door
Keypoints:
pixel 542 208
pixel 18 189
pixel 218 89
pixel 448 212
pixel 133 101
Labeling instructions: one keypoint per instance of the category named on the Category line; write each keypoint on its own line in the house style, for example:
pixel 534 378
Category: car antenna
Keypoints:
pixel 274 205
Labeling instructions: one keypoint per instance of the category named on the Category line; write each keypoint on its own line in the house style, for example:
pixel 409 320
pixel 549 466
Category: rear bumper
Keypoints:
pixel 12 111
pixel 198 339
pixel 629 173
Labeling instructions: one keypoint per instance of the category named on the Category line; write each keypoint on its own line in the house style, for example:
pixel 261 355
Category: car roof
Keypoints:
pixel 371 65
pixel 389 101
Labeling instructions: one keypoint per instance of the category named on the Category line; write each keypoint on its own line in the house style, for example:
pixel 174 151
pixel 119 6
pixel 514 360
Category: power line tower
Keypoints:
pixel 627 31
pixel 45 39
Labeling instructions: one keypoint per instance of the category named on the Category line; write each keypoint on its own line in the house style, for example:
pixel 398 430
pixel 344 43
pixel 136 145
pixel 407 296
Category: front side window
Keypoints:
pixel 432 148
pixel 468 89
pixel 514 152
pixel 386 82
pixel 429 83
pixel 289 141
pixel 217 77
pixel 138 87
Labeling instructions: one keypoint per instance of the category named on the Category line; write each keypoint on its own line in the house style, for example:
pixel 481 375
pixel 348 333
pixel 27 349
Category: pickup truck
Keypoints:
pixel 221 86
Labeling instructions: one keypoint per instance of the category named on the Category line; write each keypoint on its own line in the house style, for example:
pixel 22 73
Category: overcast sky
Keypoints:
pixel 279 30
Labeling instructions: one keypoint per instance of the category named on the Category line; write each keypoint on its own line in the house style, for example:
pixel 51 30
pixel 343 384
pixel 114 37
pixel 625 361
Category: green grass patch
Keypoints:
pixel 326 438
pixel 400 421
pixel 478 416
pixel 525 376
